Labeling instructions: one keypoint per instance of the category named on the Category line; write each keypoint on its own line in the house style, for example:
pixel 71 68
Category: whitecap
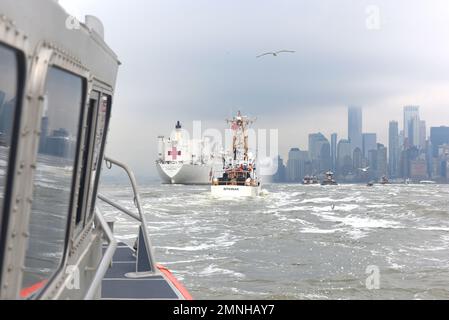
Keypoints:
pixel 214 270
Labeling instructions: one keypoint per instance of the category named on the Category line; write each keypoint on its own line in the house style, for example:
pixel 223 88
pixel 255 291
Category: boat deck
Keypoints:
pixel 117 286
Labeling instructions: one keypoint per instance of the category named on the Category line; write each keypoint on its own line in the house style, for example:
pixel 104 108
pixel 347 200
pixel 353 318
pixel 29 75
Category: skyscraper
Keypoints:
pixel 355 127
pixel 357 157
pixel 316 141
pixel 393 145
pixel 381 162
pixel 411 126
pixel 422 134
pixel 334 151
pixel 319 152
pixel 438 137
pixel 294 165
pixel 369 142
pixel 280 174
pixel 325 158
pixel 344 160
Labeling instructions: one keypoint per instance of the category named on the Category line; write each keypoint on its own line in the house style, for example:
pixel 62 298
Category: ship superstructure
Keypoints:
pixel 239 174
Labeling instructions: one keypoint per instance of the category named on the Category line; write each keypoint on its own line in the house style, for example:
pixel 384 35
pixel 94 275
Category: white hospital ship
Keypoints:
pixel 182 160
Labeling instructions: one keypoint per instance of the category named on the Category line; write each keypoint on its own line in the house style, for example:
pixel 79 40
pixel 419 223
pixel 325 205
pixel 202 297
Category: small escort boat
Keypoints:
pixel 329 179
pixel 238 177
pixel 384 180
pixel 310 180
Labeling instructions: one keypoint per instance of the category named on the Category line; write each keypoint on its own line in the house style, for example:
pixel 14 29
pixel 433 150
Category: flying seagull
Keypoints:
pixel 275 54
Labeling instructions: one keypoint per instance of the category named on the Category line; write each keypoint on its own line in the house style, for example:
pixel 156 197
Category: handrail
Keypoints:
pixel 118 207
pixel 105 261
pixel 140 217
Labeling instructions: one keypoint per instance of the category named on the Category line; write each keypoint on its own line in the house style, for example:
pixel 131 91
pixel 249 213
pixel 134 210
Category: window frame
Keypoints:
pixel 84 188
pixel 92 201
pixel 48 56
pixel 75 175
pixel 21 68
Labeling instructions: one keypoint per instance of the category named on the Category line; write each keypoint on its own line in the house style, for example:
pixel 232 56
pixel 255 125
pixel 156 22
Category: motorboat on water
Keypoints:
pixel 427 182
pixel 239 175
pixel 308 180
pixel 329 179
pixel 384 180
pixel 56 89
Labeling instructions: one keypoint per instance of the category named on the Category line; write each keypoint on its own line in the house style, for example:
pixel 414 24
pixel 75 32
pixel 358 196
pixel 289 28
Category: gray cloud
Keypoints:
pixel 195 60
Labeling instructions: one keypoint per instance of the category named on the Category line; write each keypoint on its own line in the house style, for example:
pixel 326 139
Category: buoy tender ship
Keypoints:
pixel 239 175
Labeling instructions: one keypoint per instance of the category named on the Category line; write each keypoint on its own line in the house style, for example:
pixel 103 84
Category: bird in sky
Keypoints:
pixel 275 54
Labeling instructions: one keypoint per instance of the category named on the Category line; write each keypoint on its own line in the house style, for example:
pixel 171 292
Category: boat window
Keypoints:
pixel 54 177
pixel 104 111
pixel 85 187
pixel 8 99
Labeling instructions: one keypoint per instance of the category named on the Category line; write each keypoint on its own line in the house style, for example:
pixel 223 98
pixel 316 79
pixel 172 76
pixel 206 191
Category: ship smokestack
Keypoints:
pixel 178 125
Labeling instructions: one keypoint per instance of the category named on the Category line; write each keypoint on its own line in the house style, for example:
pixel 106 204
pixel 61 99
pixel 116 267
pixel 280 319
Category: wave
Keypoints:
pixel 213 269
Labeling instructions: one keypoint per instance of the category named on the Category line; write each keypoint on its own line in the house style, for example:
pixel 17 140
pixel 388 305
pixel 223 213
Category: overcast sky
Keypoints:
pixel 195 60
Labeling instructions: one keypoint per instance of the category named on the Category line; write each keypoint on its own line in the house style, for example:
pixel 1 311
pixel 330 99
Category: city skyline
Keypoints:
pixel 382 134
pixel 410 151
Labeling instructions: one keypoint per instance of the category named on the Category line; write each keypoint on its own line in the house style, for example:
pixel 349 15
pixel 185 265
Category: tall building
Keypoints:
pixel 438 137
pixel 357 160
pixel 369 142
pixel 6 118
pixel 2 99
pixel 381 162
pixel 393 146
pixel 319 152
pixel 422 134
pixel 325 158
pixel 411 126
pixel 279 176
pixel 316 141
pixel 344 159
pixel 334 151
pixel 355 127
pixel 294 165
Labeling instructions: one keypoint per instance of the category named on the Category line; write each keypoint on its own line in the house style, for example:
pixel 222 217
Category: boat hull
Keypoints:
pixel 235 191
pixel 180 173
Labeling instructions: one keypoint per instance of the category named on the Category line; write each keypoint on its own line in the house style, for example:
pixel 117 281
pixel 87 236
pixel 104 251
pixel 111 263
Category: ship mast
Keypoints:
pixel 239 126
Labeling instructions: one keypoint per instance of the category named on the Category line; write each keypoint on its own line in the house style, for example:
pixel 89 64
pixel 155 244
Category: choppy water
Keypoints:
pixel 291 243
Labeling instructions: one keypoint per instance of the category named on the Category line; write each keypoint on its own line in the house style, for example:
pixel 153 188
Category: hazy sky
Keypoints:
pixel 195 60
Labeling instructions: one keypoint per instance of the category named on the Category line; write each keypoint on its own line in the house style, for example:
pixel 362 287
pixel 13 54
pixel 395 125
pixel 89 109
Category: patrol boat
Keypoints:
pixel 329 179
pixel 239 175
pixel 310 180
pixel 57 81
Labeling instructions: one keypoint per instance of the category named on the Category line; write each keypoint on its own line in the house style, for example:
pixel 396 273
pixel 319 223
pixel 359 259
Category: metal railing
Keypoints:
pixel 140 217
pixel 106 259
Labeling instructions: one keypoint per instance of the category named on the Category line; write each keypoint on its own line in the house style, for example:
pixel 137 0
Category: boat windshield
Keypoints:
pixel 8 95
pixel 52 197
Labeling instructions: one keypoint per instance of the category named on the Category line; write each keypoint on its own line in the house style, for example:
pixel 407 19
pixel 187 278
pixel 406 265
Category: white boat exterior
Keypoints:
pixel 181 173
pixel 235 191
pixel 182 160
